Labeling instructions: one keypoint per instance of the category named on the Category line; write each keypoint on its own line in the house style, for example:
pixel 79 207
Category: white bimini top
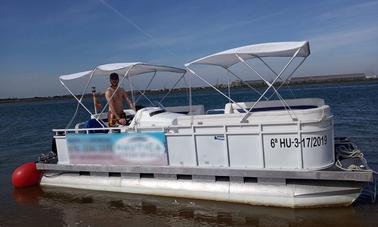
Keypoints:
pixel 123 69
pixel 229 57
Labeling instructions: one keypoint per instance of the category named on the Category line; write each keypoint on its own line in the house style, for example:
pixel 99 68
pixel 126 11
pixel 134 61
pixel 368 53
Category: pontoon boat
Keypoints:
pixel 269 152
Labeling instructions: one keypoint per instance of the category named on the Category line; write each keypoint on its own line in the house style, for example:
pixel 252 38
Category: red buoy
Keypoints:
pixel 26 175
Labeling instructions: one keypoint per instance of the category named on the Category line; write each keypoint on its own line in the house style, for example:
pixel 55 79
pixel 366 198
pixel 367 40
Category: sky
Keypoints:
pixel 41 40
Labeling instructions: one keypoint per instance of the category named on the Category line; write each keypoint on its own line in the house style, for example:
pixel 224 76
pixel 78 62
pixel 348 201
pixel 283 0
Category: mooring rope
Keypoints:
pixel 348 150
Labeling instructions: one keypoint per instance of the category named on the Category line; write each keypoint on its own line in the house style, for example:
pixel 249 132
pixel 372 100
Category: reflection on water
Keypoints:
pixel 29 195
pixel 91 208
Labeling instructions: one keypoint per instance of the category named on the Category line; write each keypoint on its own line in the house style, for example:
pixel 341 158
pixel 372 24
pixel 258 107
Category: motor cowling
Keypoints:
pixel 26 175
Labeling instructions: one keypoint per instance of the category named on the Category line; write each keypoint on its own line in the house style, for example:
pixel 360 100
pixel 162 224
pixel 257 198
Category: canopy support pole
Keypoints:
pixel 220 92
pixel 173 87
pixel 291 74
pixel 77 99
pixel 244 120
pixel 250 67
pixel 284 104
pixel 148 85
pixel 190 97
pixel 283 82
pixel 228 86
pixel 131 89
pixel 80 100
pixel 273 71
pixel 141 93
pixel 248 85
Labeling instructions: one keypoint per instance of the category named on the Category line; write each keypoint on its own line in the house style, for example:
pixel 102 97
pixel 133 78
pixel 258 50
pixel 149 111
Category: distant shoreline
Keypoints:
pixel 296 81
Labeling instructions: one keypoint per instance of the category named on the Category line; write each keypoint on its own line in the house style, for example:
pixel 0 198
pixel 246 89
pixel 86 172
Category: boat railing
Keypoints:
pixel 63 132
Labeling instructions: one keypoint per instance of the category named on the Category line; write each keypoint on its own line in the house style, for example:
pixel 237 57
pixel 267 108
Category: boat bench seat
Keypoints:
pixel 274 105
pixel 194 110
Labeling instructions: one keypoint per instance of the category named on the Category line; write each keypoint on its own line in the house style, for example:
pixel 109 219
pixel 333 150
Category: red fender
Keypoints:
pixel 26 175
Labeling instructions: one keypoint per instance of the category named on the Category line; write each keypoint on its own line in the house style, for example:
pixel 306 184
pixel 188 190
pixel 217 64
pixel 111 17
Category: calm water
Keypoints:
pixel 25 132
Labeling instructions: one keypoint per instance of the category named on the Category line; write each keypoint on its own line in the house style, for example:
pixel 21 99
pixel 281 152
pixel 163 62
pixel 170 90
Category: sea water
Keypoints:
pixel 25 132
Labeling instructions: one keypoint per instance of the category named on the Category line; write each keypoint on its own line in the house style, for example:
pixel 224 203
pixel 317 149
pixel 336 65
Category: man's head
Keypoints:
pixel 114 79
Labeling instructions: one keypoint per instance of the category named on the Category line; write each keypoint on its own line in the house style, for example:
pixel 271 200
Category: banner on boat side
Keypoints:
pixel 118 149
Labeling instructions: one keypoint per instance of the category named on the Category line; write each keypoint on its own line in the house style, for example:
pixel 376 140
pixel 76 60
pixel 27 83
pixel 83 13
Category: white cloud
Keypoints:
pixel 357 9
pixel 344 38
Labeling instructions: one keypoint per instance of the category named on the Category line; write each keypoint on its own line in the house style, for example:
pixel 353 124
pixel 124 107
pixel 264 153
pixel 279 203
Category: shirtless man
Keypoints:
pixel 116 114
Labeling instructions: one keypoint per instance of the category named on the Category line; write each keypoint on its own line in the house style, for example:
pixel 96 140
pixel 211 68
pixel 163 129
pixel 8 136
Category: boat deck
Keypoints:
pixel 226 174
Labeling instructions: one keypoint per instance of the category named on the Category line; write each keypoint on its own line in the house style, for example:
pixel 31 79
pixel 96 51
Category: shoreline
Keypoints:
pixel 296 81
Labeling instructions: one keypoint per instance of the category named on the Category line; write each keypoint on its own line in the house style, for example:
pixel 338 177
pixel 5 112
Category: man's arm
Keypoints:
pixel 131 104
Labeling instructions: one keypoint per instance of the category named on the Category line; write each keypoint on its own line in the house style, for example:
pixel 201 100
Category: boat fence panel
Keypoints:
pixel 274 146
pixel 180 150
pixel 211 150
pixel 291 145
pixel 316 149
pixel 279 151
pixel 62 149
pixel 245 151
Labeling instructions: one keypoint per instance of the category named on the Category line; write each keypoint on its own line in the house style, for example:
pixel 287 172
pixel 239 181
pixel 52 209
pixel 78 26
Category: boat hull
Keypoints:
pixel 264 191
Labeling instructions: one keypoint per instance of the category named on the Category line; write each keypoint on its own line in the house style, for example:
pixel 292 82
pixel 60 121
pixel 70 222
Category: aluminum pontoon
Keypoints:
pixel 264 152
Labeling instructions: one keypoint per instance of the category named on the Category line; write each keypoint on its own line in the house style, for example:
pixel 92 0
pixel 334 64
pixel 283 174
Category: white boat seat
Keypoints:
pixel 273 105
